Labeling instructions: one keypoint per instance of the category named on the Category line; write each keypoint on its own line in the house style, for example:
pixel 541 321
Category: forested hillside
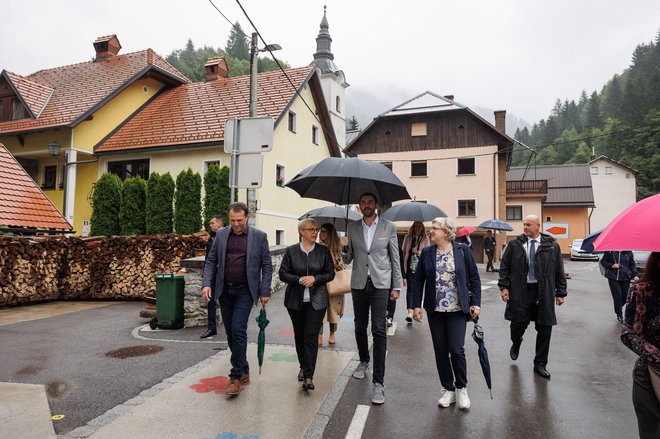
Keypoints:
pixel 622 121
pixel 190 61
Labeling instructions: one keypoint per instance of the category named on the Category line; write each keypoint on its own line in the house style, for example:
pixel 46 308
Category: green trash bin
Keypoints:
pixel 169 300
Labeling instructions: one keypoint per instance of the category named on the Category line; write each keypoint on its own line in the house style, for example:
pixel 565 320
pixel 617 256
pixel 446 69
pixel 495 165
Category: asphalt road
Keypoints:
pixel 589 394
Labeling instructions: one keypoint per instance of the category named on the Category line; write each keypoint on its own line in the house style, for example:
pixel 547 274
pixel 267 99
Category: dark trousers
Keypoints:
pixel 448 335
pixel 619 290
pixel 543 332
pixel 212 316
pixel 409 289
pixel 391 308
pixel 645 402
pixel 306 325
pixel 376 300
pixel 235 307
pixel 489 255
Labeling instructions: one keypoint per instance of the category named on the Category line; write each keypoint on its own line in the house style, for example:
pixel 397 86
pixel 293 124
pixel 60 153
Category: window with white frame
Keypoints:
pixel 50 177
pixel 594 170
pixel 467 207
pixel 280 176
pixel 208 163
pixel 292 121
pixel 514 213
pixel 315 135
pixel 337 104
pixel 466 166
pixel 279 237
pixel 418 169
pixel 608 169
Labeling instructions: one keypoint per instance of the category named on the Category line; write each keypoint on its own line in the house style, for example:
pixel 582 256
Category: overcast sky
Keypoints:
pixel 514 55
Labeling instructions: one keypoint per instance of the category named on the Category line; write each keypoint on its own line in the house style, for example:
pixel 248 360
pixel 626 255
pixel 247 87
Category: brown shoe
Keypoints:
pixel 320 339
pixel 245 378
pixel 234 387
pixel 331 339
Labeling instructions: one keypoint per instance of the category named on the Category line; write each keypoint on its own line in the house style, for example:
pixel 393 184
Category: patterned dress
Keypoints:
pixel 446 294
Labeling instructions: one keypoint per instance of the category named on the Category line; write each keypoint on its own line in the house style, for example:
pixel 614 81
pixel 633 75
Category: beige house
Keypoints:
pixel 446 155
pixel 615 189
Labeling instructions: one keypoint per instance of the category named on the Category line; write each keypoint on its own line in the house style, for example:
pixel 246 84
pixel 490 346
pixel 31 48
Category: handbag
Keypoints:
pixel 341 284
pixel 654 373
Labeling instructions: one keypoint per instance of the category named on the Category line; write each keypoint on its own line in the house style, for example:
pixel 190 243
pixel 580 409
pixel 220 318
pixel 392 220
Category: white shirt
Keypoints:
pixel 368 233
pixel 536 249
pixel 306 297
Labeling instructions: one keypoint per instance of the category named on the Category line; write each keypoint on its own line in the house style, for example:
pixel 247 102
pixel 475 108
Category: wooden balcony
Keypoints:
pixel 527 187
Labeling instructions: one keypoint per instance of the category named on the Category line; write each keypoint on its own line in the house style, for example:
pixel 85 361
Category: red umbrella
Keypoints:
pixel 633 228
pixel 464 231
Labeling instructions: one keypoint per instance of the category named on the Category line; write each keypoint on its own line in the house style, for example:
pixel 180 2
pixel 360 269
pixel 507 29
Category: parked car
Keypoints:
pixel 576 253
pixel 640 259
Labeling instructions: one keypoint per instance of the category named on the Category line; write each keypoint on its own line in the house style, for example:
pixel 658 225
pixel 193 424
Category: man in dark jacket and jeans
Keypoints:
pixel 531 281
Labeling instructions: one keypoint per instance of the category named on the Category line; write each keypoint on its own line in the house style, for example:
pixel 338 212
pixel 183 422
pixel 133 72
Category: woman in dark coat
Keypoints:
pixel 306 268
pixel 451 296
pixel 620 270
pixel 641 333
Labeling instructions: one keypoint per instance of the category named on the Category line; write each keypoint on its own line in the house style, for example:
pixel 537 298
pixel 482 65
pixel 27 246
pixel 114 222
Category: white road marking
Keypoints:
pixel 358 422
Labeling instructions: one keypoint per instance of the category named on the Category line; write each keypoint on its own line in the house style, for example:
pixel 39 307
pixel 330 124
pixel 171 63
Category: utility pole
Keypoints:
pixel 252 193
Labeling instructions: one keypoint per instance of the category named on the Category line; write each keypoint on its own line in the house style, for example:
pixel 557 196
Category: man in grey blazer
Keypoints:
pixel 372 246
pixel 238 272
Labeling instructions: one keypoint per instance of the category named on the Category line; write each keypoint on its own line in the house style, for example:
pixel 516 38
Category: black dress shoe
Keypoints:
pixel 541 371
pixel 300 375
pixel 309 385
pixel 513 352
pixel 208 333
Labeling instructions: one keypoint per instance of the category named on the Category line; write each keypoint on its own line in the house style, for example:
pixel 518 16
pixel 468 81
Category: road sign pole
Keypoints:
pixel 234 162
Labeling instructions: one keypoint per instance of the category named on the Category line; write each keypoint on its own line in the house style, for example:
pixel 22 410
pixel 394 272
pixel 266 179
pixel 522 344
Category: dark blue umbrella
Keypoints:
pixel 478 336
pixel 588 241
pixel 496 225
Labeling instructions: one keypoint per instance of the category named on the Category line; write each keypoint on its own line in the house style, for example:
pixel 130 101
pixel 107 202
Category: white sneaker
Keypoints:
pixel 447 399
pixel 463 398
pixel 390 322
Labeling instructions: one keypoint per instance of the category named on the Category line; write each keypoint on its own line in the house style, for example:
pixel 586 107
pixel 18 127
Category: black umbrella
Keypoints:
pixel 330 214
pixel 343 180
pixel 495 225
pixel 588 241
pixel 478 336
pixel 413 211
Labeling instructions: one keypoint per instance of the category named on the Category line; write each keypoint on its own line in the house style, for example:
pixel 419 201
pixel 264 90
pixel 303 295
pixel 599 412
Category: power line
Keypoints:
pixel 237 29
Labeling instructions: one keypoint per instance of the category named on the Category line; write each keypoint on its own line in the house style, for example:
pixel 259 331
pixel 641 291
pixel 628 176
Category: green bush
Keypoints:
pixel 216 194
pixel 105 204
pixel 187 203
pixel 132 206
pixel 160 208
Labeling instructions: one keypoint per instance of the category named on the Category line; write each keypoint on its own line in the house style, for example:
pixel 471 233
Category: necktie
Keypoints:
pixel 530 272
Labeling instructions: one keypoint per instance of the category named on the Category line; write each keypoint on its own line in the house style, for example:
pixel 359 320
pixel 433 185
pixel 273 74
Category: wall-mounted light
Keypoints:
pixel 54 149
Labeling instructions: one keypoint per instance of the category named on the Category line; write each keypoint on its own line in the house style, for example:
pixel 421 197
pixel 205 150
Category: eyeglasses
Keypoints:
pixel 313 230
pixel 436 228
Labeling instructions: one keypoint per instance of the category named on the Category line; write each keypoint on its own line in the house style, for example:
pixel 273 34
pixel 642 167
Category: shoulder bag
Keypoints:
pixel 341 284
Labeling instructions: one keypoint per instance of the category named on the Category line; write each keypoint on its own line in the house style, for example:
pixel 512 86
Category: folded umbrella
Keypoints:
pixel 413 211
pixel 633 228
pixel 496 225
pixel 262 321
pixel 478 336
pixel 464 231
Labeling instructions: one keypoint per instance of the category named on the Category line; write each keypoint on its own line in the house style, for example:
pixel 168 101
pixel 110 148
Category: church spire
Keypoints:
pixel 323 58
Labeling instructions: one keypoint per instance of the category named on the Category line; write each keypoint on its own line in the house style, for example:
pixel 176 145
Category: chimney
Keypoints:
pixel 450 97
pixel 106 47
pixel 500 121
pixel 216 68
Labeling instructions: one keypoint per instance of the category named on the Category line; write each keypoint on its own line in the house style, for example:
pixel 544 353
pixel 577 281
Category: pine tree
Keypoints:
pixel 132 206
pixel 188 204
pixel 214 203
pixel 237 43
pixel 105 205
pixel 159 210
pixel 353 124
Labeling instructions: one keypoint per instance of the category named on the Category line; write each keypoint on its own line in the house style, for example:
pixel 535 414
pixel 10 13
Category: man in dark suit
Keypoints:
pixel 238 273
pixel 216 223
pixel 489 246
pixel 372 246
pixel 531 282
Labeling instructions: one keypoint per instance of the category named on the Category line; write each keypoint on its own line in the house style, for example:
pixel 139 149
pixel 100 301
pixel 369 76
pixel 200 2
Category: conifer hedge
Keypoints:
pixel 216 194
pixel 159 203
pixel 105 202
pixel 188 203
pixel 132 206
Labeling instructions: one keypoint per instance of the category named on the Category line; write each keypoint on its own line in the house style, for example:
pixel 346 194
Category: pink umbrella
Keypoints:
pixel 633 229
pixel 464 231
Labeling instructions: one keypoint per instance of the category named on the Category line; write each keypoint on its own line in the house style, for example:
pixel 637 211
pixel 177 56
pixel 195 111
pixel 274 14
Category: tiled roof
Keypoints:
pixel 568 185
pixel 22 202
pixel 80 88
pixel 197 112
pixel 34 94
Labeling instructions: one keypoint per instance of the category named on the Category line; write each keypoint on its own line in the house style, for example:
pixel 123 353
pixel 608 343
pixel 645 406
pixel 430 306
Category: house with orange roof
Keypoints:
pixel 26 210
pixel 135 114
